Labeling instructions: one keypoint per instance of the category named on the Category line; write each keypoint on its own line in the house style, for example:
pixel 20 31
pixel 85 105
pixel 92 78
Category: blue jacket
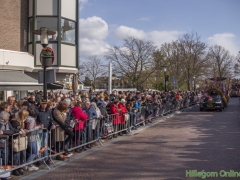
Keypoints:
pixel 137 105
pixel 91 112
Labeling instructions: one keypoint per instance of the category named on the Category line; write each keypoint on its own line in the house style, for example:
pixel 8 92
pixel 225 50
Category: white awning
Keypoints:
pixel 18 81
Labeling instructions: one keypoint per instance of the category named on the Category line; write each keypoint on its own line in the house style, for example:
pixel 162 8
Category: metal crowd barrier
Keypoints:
pixel 22 150
pixel 52 144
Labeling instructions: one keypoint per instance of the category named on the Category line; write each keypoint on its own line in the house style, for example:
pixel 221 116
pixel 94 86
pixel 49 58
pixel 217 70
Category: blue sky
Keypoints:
pixel 104 23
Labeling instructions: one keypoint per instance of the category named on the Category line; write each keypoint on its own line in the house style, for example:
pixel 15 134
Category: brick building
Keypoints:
pixel 13 25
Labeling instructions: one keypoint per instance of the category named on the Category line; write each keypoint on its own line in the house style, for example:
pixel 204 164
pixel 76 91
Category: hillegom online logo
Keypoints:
pixel 213 174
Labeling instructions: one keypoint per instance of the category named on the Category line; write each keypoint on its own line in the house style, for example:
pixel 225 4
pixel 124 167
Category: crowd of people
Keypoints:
pixel 72 120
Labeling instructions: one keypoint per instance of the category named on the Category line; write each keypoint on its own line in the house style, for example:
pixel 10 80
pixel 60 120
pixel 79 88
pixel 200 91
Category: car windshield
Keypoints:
pixel 215 98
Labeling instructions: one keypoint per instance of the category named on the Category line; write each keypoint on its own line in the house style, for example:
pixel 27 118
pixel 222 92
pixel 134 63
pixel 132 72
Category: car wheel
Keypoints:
pixel 220 109
pixel 201 109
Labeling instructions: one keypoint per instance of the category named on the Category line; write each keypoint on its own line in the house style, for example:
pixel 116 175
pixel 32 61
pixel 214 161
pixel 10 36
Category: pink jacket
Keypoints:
pixel 80 116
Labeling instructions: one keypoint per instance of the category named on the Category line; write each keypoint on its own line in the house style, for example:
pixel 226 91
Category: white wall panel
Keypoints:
pixel 47 7
pixel 68 9
pixel 68 55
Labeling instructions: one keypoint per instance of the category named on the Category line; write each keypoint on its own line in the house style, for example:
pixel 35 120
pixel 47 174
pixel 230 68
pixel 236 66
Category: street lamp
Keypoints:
pixel 194 83
pixel 46 61
pixel 165 80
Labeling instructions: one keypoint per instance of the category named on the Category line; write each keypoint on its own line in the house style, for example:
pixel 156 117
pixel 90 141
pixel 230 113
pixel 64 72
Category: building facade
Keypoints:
pixel 20 49
pixel 60 16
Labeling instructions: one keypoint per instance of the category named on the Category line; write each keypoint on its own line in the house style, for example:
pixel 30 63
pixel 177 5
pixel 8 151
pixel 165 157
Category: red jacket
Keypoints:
pixel 123 108
pixel 115 114
pixel 123 112
pixel 80 116
pixel 178 96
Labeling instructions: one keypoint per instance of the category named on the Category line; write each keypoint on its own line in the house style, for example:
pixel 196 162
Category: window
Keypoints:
pixel 50 23
pixel 68 31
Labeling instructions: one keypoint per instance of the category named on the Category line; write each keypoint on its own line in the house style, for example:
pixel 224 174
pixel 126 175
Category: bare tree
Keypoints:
pixel 93 68
pixel 185 58
pixel 174 61
pixel 193 55
pixel 237 65
pixel 157 78
pixel 221 62
pixel 134 59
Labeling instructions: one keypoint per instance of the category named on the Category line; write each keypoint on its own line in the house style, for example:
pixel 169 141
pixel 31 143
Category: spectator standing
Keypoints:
pixel 30 124
pixel 91 112
pixel 122 107
pixel 102 107
pixel 44 119
pixel 81 118
pixel 11 102
pixel 6 130
pixel 18 123
pixel 60 116
pixel 32 102
pixel 96 122
pixel 115 116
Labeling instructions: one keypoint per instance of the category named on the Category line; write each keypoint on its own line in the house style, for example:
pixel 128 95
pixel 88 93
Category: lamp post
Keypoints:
pixel 194 83
pixel 44 33
pixel 165 80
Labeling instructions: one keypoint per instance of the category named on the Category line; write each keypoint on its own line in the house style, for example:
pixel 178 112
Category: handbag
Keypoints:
pixel 126 117
pixel 20 143
pixel 94 124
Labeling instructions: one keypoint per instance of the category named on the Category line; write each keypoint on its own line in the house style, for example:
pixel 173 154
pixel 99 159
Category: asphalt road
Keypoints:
pixel 206 141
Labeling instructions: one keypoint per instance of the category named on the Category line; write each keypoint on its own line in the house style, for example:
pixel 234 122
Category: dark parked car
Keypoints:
pixel 212 102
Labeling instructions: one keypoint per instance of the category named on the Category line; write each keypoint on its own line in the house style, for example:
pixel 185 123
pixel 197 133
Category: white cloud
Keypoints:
pixel 93 32
pixel 89 47
pixel 158 37
pixel 227 40
pixel 124 31
pixel 93 28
